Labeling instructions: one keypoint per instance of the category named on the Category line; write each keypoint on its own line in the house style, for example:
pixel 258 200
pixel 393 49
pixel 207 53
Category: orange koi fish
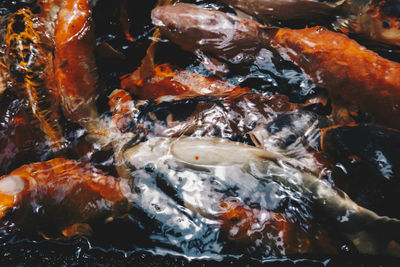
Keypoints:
pixel 75 64
pixel 247 225
pixel 29 60
pixel 58 195
pixel 166 81
pixel 348 70
pixel 332 60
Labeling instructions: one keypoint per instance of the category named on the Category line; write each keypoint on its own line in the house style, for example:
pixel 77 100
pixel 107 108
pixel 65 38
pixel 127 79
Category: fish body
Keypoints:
pixel 286 10
pixel 181 189
pixel 58 196
pixel 164 80
pixel 28 58
pixel 369 156
pixel 228 115
pixel 243 224
pixel 346 69
pixel 376 20
pixel 246 168
pixel 74 61
pixel 209 32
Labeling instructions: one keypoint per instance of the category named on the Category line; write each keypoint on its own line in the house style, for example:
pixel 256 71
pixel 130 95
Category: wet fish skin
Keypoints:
pixel 290 132
pixel 267 10
pixel 75 63
pixel 346 69
pixel 376 20
pixel 361 225
pixel 369 155
pixel 200 30
pixel 165 80
pixel 59 196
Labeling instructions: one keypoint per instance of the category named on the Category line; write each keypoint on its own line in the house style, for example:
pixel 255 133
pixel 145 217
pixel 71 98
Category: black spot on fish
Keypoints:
pixel 19 25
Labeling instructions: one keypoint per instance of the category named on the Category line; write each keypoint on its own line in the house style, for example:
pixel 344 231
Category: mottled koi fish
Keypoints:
pixel 75 63
pixel 374 19
pixel 70 195
pixel 164 80
pixel 29 60
pixel 278 231
pixel 346 69
pixel 122 108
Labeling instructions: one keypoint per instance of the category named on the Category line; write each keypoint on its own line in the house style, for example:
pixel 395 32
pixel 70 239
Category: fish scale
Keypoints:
pixel 27 60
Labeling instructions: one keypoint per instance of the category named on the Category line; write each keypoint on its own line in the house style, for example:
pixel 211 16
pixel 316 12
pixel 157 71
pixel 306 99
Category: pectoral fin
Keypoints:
pixel 78 229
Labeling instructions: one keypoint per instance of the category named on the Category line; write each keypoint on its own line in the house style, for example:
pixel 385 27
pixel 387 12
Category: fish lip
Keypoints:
pixel 12 185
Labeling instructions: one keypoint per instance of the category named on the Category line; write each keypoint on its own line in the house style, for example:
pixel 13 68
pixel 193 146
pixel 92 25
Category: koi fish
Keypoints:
pixel 122 109
pixel 346 69
pixel 236 168
pixel 375 19
pixel 74 61
pixel 58 196
pixel 278 231
pixel 367 164
pixel 28 58
pixel 227 115
pixel 165 81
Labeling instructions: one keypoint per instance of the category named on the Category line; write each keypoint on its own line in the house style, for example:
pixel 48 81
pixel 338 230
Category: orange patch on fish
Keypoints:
pixel 68 192
pixel 346 69
pixel 75 63
pixel 164 80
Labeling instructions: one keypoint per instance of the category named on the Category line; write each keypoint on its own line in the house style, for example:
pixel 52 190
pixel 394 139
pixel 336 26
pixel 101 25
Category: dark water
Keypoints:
pixel 203 233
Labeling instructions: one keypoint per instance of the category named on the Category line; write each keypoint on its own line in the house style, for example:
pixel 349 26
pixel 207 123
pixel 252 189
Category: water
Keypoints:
pixel 203 212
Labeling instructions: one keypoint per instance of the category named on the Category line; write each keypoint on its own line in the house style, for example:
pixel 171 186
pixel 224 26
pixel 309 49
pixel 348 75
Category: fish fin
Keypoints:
pixel 215 66
pixel 344 24
pixel 124 20
pixel 77 229
pixel 105 50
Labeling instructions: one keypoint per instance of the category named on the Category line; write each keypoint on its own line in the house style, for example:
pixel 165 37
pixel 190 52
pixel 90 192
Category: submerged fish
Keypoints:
pixel 59 197
pixel 27 60
pixel 202 171
pixel 290 133
pixel 192 194
pixel 75 64
pixel 377 20
pixel 166 80
pixel 346 69
pixel 366 159
pixel 228 115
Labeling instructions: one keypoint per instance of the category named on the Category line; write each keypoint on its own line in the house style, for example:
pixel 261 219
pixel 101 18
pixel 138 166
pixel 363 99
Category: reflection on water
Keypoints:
pixel 211 202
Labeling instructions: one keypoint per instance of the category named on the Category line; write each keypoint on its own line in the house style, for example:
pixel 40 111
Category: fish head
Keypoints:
pixel 382 21
pixel 193 27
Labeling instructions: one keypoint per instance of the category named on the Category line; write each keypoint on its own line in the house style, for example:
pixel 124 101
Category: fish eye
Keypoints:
pixel 386 24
